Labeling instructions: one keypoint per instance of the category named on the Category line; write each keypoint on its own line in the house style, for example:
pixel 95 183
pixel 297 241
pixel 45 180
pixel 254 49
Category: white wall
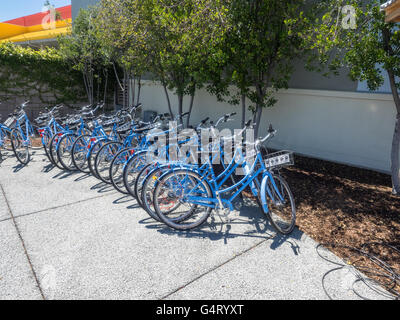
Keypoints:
pixel 344 127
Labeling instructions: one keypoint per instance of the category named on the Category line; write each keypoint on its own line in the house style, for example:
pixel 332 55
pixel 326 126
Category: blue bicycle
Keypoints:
pixel 49 125
pixel 184 197
pixel 5 137
pixel 21 135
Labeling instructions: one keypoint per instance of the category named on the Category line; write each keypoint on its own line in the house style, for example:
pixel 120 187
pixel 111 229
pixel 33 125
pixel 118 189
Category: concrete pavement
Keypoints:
pixel 67 236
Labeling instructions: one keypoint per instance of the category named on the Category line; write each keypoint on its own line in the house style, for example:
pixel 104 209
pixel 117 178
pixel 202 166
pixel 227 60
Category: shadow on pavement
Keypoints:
pixel 18 167
pixel 216 229
pixel 48 168
pixel 103 187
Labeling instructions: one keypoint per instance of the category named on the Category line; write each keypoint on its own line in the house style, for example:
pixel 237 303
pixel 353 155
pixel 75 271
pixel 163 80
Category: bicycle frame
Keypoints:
pixel 66 131
pixel 251 178
pixel 52 128
pixel 28 128
pixel 3 129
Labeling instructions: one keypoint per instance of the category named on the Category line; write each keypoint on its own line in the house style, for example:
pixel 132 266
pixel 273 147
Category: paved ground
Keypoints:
pixel 67 236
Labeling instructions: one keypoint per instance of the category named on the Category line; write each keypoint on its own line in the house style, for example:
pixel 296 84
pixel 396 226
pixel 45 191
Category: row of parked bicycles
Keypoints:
pixel 121 150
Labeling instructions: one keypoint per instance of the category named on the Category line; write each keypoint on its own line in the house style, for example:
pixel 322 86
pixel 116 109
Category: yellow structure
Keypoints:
pixel 16 33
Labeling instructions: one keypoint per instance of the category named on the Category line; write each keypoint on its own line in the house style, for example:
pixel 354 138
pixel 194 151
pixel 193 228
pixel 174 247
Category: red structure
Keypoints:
pixel 36 19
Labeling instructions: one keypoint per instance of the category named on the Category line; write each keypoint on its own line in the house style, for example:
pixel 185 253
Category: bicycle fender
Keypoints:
pixel 263 191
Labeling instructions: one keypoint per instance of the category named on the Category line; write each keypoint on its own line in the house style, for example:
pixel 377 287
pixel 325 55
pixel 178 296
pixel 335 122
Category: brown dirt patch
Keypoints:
pixel 347 207
pixel 36 142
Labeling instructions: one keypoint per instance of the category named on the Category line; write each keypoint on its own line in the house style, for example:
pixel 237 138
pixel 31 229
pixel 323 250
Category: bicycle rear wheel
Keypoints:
pixel 46 138
pixel 6 136
pixel 141 177
pixel 79 152
pixel 64 151
pixel 117 169
pixel 131 171
pixel 20 147
pixel 104 158
pixel 281 206
pixel 146 192
pixel 94 150
pixel 53 150
pixel 173 190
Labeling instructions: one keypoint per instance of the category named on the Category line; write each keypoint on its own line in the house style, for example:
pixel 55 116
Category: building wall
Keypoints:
pixel 346 127
pixel 77 4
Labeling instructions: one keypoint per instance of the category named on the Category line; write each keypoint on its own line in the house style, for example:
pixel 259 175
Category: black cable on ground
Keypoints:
pixel 388 276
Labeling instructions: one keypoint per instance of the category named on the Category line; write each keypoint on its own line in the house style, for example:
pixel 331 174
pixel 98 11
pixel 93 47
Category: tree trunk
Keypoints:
pixel 117 77
pixel 139 89
pixel 124 90
pixel 396 136
pixel 190 110
pixel 133 90
pixel 395 157
pixel 169 101
pixel 257 120
pixel 105 87
pixel 85 81
pixel 98 88
pixel 243 110
pixel 386 35
pixel 180 107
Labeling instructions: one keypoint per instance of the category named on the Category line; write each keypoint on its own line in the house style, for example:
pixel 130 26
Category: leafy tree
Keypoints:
pixel 263 39
pixel 180 39
pixel 83 50
pixel 369 50
pixel 122 40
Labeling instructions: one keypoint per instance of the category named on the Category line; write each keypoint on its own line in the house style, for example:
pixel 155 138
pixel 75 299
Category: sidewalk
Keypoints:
pixel 67 236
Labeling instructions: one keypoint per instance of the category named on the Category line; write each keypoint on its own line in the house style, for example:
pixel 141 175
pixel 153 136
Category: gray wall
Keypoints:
pixel 77 4
pixel 303 79
pixel 346 127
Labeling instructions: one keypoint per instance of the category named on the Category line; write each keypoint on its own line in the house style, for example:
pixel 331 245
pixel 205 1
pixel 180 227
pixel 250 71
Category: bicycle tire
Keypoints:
pixel 182 223
pixel 137 190
pixel 282 186
pixel 53 151
pixel 62 159
pixel 102 162
pixel 45 142
pixel 131 170
pixel 116 169
pixel 79 152
pixel 92 155
pixel 21 152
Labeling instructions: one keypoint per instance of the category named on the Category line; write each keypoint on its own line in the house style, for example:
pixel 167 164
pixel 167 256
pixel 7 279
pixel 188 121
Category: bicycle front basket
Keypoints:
pixel 10 122
pixel 279 159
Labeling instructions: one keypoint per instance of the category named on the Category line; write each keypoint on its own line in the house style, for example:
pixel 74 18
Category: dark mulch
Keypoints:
pixel 346 206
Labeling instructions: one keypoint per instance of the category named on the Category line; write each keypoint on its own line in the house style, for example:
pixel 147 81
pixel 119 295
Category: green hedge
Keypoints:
pixel 26 72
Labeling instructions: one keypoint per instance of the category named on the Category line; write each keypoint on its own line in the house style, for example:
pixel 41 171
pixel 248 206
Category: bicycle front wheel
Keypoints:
pixel 281 205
